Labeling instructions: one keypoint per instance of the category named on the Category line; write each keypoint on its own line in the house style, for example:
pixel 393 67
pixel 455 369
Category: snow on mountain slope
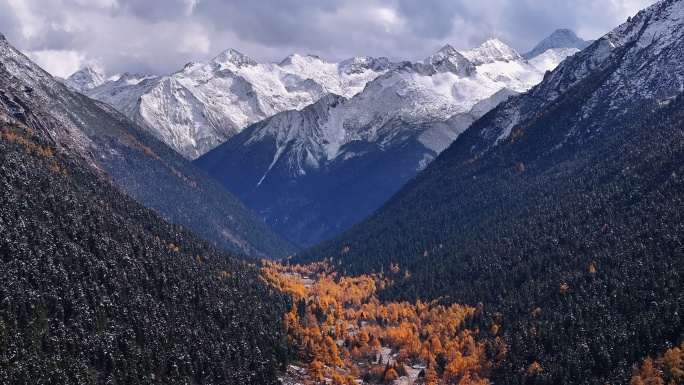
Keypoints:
pixel 638 62
pixel 445 84
pixel 314 172
pixel 124 94
pixel 549 59
pixel 204 104
pixel 84 80
pixel 561 38
pixel 491 51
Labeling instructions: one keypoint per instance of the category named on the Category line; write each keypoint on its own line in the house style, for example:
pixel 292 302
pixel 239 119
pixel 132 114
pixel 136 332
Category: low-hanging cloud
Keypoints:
pixel 160 36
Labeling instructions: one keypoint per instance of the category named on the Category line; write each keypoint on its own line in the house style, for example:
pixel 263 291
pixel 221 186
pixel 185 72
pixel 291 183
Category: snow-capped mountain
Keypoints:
pixel 84 80
pixel 560 44
pixel 298 168
pixel 638 62
pixel 124 93
pixel 204 104
pixel 560 38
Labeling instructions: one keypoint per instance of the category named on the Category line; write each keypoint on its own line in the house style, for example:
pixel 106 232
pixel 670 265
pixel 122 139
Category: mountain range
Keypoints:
pixel 314 172
pixel 314 147
pixel 204 104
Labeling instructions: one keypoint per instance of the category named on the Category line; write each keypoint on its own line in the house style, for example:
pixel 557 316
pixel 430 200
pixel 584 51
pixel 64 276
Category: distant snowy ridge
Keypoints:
pixel 446 84
pixel 204 104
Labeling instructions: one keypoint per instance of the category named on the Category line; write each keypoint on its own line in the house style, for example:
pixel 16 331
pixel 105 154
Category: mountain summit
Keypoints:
pixel 231 56
pixel 560 38
pixel 85 80
pixel 492 50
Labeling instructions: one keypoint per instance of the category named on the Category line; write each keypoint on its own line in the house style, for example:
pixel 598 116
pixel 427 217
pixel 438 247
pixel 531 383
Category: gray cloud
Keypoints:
pixel 434 21
pixel 9 23
pixel 160 36
pixel 152 11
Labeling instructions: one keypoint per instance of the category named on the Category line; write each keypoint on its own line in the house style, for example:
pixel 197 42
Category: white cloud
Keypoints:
pixel 195 43
pixel 31 23
pixel 106 4
pixel 191 4
pixel 64 63
pixel 388 18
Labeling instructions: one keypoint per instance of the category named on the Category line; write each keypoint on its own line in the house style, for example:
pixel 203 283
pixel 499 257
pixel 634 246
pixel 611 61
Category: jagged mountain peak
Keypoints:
pixel 330 99
pixel 447 59
pixel 359 64
pixel 560 38
pixel 85 79
pixel 303 62
pixel 490 51
pixel 232 56
pixel 296 58
pixel 448 49
pixel 564 34
pixel 463 62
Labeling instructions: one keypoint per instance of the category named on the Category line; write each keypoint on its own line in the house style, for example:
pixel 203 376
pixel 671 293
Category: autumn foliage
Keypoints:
pixel 668 369
pixel 343 332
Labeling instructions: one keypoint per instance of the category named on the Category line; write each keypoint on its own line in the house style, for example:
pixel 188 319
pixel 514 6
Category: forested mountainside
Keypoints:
pixel 97 288
pixel 148 170
pixel 590 235
pixel 561 209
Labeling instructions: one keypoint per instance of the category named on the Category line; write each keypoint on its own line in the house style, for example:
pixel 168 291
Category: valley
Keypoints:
pixel 341 332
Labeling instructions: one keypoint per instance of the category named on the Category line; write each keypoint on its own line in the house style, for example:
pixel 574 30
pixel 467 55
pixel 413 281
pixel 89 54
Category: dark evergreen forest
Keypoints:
pixel 99 289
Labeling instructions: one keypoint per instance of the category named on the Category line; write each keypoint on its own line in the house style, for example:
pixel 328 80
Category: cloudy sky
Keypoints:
pixel 160 36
